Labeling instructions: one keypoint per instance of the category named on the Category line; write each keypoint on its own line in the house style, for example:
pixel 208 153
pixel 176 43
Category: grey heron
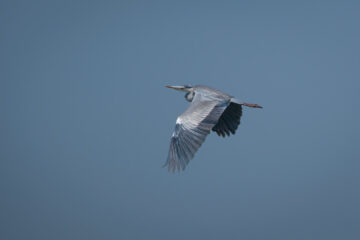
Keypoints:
pixel 210 109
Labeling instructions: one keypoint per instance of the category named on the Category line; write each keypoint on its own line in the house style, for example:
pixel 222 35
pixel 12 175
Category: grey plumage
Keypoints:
pixel 210 109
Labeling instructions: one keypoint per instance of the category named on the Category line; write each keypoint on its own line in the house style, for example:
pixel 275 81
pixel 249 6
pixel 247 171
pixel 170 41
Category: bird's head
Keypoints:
pixel 186 88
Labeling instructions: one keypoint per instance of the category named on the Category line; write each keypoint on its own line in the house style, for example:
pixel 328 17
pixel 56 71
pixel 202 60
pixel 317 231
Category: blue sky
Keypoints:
pixel 86 121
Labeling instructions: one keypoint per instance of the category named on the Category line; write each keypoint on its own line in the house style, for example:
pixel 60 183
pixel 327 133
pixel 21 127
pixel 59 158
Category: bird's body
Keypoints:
pixel 210 109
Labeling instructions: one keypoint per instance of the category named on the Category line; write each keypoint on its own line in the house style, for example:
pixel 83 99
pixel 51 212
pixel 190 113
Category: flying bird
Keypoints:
pixel 210 110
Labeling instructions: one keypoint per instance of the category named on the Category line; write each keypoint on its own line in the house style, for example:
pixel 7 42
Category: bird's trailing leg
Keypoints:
pixel 252 105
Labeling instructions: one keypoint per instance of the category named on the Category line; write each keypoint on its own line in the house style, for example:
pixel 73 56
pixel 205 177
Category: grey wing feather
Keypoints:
pixel 191 129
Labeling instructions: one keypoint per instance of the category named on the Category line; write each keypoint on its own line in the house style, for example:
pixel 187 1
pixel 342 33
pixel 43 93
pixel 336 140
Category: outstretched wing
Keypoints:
pixel 229 120
pixel 191 129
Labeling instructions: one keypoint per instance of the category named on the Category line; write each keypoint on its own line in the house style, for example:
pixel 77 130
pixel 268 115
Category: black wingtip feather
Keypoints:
pixel 229 120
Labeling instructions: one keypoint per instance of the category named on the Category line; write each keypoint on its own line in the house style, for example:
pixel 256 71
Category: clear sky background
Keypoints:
pixel 85 120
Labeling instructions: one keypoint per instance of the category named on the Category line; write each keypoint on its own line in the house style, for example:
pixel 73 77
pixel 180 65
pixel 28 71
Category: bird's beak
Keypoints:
pixel 179 88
